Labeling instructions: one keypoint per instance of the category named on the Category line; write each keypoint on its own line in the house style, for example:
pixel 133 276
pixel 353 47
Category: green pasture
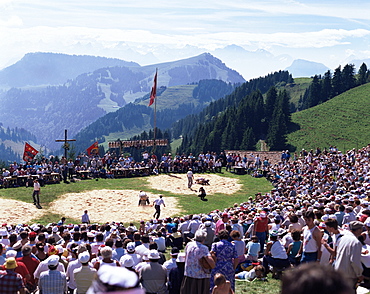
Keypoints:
pixel 342 121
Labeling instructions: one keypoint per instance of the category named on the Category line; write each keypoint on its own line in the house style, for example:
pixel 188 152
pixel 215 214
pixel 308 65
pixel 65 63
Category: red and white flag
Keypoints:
pixel 153 93
pixel 29 152
pixel 93 149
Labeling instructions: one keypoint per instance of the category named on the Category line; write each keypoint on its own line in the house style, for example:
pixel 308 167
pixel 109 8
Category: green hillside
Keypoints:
pixel 342 121
pixel 172 97
pixel 297 89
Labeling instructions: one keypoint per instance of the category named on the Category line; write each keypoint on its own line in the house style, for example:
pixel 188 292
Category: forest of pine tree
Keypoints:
pixel 241 127
pixel 15 135
pixel 323 88
pixel 240 119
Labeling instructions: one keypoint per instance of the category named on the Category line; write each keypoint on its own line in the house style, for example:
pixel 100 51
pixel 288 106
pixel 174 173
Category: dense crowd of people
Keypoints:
pixel 96 166
pixel 317 212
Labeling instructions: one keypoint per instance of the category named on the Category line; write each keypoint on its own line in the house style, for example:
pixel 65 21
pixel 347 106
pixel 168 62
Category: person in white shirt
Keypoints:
pixel 190 177
pixel 161 242
pixel 36 193
pixel 170 264
pixel 157 205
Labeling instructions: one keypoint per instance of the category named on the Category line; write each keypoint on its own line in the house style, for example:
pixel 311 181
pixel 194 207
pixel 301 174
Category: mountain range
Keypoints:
pixel 46 109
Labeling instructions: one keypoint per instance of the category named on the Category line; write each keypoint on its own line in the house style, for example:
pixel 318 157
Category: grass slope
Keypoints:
pixel 342 121
pixel 172 97
pixel 297 89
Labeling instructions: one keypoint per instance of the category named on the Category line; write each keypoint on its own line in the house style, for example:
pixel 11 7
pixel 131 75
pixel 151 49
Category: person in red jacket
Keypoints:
pixel 31 263
pixel 261 229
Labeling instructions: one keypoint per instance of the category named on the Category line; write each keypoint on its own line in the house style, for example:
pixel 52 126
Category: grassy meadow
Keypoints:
pixel 297 89
pixel 342 121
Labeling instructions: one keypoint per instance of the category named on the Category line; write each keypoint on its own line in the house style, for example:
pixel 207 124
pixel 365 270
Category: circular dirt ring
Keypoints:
pixel 111 205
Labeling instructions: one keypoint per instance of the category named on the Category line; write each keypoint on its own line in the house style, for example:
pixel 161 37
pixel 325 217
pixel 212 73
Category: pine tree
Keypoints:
pixel 249 140
pixel 271 97
pixel 348 77
pixel 276 137
pixel 337 82
pixel 363 74
pixel 326 89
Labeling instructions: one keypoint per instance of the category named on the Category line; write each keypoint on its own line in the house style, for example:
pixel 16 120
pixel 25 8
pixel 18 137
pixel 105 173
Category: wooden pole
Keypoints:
pixel 155 116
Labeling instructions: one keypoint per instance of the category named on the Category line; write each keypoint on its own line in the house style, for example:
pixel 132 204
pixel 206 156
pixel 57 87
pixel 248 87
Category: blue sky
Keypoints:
pixel 322 31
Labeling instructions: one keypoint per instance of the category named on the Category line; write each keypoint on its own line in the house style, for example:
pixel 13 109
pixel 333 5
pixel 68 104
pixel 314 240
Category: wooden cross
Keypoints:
pixel 66 144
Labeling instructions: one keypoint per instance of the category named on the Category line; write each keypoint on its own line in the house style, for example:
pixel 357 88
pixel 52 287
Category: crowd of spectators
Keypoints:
pixel 106 166
pixel 317 211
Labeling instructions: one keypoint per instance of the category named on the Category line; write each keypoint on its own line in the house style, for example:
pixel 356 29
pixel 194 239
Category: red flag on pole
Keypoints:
pixel 93 149
pixel 29 152
pixel 153 93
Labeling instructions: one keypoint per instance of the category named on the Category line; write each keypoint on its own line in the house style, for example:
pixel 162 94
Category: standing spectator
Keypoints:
pixel 171 263
pixel 311 245
pixel 160 241
pixel 157 205
pixel 221 223
pixel 190 177
pixel 73 265
pixel 260 229
pixel 53 281
pixel 348 255
pixel 193 226
pixel 36 193
pixel 118 252
pixel 85 219
pixel 84 275
pixel 130 248
pixel 176 275
pixel 31 263
pixel 210 234
pixel 196 279
pixel 153 276
pixel 10 281
pixel 44 265
pixel 340 214
pixel 226 259
pixel 71 168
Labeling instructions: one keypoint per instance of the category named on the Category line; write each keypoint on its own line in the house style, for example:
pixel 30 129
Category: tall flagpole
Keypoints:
pixel 155 113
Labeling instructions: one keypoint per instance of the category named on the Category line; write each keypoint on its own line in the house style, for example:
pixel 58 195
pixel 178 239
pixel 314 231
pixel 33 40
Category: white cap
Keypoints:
pixel 118 276
pixel 127 261
pixel 11 253
pixel 153 254
pixel 53 260
pixel 180 257
pixel 84 257
pixel 130 247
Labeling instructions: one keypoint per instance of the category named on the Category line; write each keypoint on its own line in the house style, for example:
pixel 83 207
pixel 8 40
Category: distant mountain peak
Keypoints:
pixel 305 68
pixel 46 68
